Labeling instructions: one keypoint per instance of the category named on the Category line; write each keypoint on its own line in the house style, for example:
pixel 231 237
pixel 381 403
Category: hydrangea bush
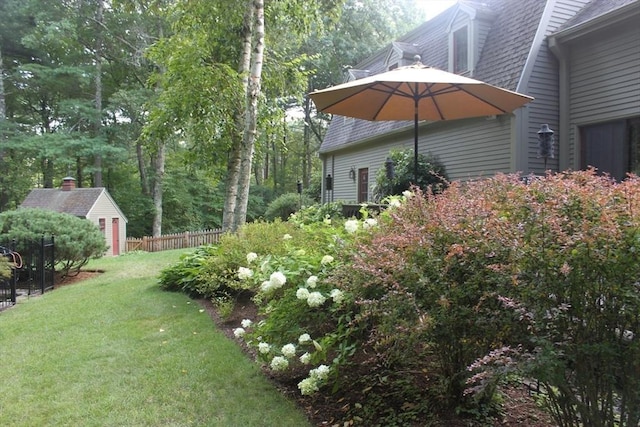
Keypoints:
pixel 304 320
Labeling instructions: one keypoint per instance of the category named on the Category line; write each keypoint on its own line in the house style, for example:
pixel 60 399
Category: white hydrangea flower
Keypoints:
pixel 407 194
pixel 304 338
pixel 264 348
pixel 305 359
pixel 327 259
pixel 288 350
pixel 337 295
pixel 277 279
pixel 239 332
pixel 302 293
pixel 315 299
pixel 246 323
pixel 308 386
pixel 287 236
pixel 351 225
pixel 369 223
pixel 266 286
pixel 279 363
pixel 312 281
pixel 394 203
pixel 251 256
pixel 321 372
pixel 244 273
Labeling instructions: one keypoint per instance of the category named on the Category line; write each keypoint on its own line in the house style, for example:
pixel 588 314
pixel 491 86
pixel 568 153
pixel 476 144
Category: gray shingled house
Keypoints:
pixel 579 59
pixel 94 204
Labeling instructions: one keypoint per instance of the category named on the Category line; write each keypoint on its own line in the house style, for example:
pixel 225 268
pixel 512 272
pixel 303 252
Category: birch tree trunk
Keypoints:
pixel 235 157
pixel 251 114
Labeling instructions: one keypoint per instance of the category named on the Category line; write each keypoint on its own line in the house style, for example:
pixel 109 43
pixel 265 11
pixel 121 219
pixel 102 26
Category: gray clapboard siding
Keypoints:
pixel 605 81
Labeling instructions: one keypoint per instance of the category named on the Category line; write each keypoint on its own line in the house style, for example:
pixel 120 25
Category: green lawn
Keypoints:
pixel 115 350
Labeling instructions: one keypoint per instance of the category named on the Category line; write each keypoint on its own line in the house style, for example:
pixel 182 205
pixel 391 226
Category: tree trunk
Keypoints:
pixel 3 106
pixel 142 170
pixel 235 158
pixel 97 174
pixel 251 115
pixel 158 178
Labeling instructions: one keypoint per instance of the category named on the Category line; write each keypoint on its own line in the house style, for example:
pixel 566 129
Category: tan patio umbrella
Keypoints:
pixel 417 92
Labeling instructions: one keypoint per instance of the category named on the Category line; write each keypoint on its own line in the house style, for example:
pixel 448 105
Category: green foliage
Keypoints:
pixel 501 276
pixel 285 205
pixel 76 240
pixel 318 213
pixel 5 268
pixel 432 174
pixel 211 271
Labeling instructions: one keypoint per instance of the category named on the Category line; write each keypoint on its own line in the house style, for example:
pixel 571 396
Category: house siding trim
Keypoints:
pixel 566 46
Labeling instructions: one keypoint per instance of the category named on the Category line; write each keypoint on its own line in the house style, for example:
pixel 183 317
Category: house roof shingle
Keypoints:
pixel 78 201
pixel 501 61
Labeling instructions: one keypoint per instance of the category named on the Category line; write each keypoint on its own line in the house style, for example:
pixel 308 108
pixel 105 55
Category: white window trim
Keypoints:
pixel 471 48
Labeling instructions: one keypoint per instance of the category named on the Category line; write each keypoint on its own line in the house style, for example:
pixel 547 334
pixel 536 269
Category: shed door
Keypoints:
pixel 115 236
pixel 363 185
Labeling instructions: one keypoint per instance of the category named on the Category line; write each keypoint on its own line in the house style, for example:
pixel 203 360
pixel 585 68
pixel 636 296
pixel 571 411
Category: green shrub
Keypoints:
pixel 318 213
pixel 77 240
pixel 499 276
pixel 5 268
pixel 432 175
pixel 283 206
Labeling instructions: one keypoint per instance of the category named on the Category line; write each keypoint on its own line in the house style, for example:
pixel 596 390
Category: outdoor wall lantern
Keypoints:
pixel 545 143
pixel 389 167
pixel 328 183
pixel 352 174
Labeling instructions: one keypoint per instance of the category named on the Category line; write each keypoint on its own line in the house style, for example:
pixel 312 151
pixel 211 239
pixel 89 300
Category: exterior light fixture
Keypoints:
pixel 389 168
pixel 328 183
pixel 352 174
pixel 545 143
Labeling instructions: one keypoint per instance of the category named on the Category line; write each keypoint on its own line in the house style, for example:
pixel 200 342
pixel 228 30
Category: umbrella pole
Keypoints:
pixel 415 143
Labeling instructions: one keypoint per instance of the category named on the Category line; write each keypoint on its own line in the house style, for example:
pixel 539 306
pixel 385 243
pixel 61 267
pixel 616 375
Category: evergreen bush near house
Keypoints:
pixel 283 206
pixel 432 175
pixel 77 240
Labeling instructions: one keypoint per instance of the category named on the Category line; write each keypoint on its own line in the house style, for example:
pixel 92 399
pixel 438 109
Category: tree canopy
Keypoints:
pixel 160 101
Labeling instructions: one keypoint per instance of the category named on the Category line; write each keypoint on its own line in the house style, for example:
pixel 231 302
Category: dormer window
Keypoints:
pixel 461 50
pixel 468 31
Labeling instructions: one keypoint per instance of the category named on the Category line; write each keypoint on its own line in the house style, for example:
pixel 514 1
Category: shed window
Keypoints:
pixel 461 50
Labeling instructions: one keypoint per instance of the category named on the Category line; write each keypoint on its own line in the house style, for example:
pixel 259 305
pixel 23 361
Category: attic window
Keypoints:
pixel 461 50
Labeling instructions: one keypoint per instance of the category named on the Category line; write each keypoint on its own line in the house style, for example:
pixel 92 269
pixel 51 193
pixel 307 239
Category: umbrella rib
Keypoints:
pixel 456 87
pixel 392 90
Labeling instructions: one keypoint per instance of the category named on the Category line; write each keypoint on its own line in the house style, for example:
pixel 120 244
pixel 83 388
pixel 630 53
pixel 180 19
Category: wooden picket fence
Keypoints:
pixel 189 239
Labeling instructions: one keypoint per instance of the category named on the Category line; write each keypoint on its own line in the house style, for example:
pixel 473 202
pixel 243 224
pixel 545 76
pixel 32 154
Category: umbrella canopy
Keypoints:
pixel 417 92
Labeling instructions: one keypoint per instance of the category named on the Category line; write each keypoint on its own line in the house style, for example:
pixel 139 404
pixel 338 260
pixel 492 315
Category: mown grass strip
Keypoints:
pixel 115 350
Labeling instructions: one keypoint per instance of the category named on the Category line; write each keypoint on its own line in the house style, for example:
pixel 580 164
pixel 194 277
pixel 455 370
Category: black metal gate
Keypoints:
pixel 33 269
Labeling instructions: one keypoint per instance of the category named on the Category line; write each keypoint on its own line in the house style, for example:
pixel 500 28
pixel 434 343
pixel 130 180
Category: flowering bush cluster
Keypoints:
pixel 503 276
pixel 430 306
pixel 301 312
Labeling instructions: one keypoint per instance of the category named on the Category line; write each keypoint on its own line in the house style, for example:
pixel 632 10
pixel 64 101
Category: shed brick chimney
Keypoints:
pixel 68 183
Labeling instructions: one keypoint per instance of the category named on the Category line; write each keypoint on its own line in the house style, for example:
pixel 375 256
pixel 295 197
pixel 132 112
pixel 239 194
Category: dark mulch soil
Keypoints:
pixel 520 409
